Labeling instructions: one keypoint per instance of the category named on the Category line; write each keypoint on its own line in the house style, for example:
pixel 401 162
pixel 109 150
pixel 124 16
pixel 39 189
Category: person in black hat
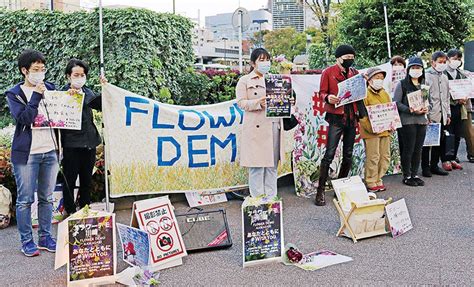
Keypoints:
pixel 414 122
pixel 342 120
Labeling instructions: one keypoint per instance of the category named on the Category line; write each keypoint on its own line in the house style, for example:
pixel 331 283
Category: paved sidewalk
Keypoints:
pixel 438 251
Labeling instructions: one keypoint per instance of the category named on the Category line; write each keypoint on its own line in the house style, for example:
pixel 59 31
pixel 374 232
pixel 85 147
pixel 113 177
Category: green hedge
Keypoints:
pixel 144 51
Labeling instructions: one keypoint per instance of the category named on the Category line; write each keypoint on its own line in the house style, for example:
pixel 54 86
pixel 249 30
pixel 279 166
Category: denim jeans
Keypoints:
pixel 39 174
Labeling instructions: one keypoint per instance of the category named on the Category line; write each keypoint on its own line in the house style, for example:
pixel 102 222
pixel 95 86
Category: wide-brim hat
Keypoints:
pixel 374 71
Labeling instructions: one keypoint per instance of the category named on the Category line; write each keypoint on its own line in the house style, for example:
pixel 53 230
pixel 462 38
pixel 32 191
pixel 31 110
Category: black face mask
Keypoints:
pixel 347 63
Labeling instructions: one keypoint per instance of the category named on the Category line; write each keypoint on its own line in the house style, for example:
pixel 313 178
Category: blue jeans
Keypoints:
pixel 39 174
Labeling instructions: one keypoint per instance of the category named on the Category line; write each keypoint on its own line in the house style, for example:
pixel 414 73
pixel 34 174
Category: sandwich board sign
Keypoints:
pixel 262 231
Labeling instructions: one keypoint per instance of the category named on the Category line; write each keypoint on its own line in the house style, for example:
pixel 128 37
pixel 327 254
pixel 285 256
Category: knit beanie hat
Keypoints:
pixel 344 50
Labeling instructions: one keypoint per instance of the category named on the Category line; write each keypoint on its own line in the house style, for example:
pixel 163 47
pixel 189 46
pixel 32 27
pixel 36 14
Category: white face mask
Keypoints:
pixel 377 84
pixel 78 83
pixel 454 64
pixel 264 67
pixel 441 67
pixel 416 73
pixel 36 78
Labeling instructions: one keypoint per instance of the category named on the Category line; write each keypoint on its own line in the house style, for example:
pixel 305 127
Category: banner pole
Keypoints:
pixel 386 29
pixel 102 73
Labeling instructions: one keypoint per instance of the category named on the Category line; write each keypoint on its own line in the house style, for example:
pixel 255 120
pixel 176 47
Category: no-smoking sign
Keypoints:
pixel 152 227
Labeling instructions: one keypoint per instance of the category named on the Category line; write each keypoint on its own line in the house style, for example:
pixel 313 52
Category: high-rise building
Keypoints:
pixel 60 5
pixel 221 25
pixel 287 13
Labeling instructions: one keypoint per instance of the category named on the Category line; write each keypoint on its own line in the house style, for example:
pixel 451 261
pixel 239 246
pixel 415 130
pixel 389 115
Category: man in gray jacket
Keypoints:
pixel 439 112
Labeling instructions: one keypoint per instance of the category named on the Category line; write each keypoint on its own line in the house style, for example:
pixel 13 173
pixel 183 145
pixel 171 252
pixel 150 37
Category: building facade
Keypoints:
pixel 287 13
pixel 60 5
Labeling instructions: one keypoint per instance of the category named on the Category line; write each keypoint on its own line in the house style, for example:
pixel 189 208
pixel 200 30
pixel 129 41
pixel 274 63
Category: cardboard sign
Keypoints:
pixel 433 135
pixel 262 230
pixel 135 245
pixel 62 111
pixel 157 218
pixel 418 100
pixel 205 198
pixel 86 244
pixel 351 90
pixel 279 93
pixel 384 117
pixel 398 218
pixel 461 89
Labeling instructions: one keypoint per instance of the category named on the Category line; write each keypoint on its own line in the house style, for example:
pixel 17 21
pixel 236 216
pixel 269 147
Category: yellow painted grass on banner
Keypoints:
pixel 160 148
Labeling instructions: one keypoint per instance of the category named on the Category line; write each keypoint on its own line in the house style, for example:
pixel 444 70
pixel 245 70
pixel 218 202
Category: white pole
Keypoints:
pixel 386 29
pixel 240 41
pixel 101 40
pixel 102 73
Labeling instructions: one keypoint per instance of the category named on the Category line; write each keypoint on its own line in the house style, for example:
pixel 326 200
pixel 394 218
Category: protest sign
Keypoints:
pixel 433 135
pixel 279 92
pixel 317 260
pixel 398 73
pixel 384 117
pixel 62 111
pixel 418 100
pixel 205 198
pixel 135 245
pixel 86 244
pixel 157 218
pixel 461 89
pixel 398 218
pixel 262 231
pixel 351 90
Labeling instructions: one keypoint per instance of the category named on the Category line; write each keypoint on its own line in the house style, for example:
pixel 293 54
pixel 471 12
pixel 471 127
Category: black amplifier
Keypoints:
pixel 204 230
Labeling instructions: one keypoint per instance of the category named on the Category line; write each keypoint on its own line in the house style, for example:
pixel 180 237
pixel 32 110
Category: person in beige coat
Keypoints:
pixel 261 144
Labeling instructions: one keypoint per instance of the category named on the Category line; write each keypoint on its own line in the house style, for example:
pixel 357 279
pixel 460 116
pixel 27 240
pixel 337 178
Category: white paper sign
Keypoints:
pixel 398 218
pixel 63 111
pixel 205 198
pixel 384 117
pixel 461 89
pixel 349 190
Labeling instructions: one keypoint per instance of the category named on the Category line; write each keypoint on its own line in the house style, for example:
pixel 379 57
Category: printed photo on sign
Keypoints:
pixel 262 232
pixel 135 245
pixel 398 218
pixel 278 95
pixel 91 248
pixel 159 221
pixel 60 110
pixel 433 135
pixel 384 117
pixel 418 100
pixel 351 90
pixel 205 198
pixel 461 89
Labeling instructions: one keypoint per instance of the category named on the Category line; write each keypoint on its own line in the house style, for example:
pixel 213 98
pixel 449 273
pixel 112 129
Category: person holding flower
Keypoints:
pixel 377 145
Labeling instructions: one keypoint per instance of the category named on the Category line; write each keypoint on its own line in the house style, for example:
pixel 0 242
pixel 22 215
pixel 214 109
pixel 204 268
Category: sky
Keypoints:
pixel 189 8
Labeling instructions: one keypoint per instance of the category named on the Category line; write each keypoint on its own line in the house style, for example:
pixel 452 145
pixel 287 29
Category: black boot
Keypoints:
pixel 345 168
pixel 323 176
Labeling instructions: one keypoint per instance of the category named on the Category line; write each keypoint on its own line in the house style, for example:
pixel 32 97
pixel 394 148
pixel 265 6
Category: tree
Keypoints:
pixel 285 41
pixel 414 25
pixel 326 14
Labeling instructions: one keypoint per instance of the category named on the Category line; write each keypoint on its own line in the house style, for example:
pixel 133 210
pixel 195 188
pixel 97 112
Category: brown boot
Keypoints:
pixel 323 175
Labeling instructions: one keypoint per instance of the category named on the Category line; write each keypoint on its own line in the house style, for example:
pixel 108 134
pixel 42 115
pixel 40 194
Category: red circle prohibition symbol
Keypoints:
pixel 164 241
pixel 152 227
pixel 166 223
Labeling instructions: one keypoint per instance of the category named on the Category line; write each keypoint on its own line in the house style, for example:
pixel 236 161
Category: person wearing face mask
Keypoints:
pixel 377 145
pixel 461 113
pixel 79 146
pixel 414 122
pixel 261 138
pixel 342 120
pixel 33 155
pixel 439 112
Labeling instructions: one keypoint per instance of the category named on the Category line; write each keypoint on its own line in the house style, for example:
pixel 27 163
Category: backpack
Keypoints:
pixel 5 204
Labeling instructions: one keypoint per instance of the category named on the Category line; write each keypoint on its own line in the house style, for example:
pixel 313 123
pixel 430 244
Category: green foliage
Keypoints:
pixel 414 25
pixel 194 88
pixel 286 42
pixel 144 52
pixel 317 56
